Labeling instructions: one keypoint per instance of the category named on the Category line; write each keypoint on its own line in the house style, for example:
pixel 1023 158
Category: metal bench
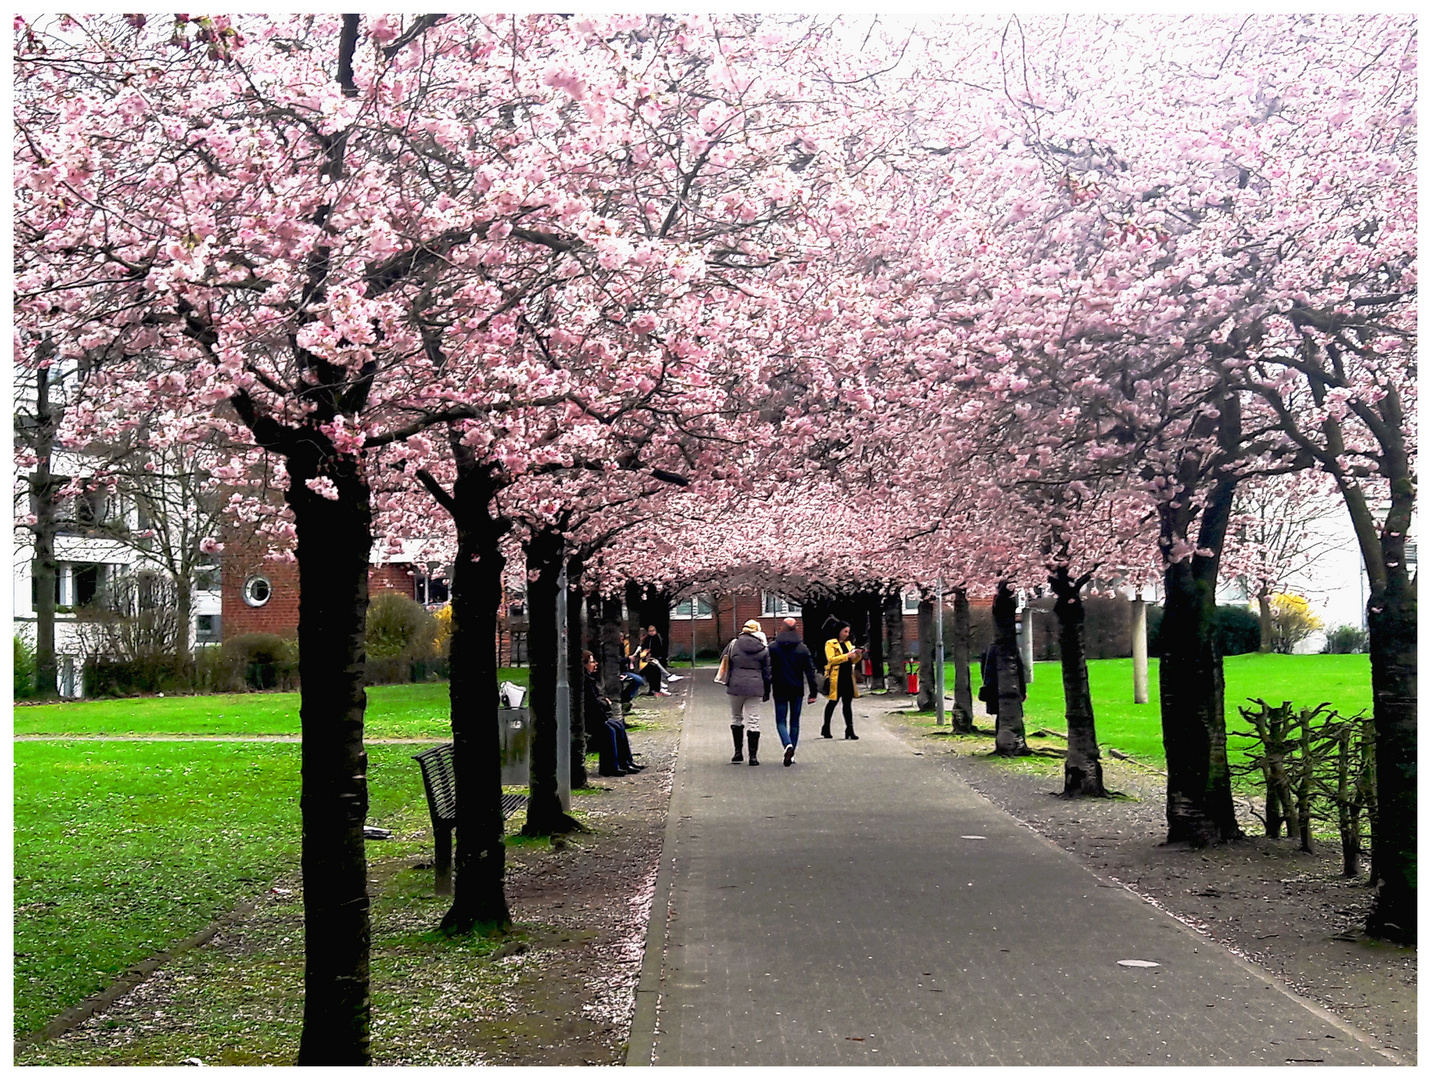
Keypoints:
pixel 441 788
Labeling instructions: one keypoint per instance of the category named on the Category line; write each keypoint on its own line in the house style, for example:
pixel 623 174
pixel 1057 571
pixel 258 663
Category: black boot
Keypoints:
pixel 738 731
pixel 825 731
pixel 850 731
pixel 754 737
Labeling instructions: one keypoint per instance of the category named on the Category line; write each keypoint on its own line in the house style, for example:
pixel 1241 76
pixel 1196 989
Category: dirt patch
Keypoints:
pixel 1286 911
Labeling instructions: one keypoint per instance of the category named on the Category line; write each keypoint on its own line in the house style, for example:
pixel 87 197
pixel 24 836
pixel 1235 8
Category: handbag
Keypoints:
pixel 723 674
pixel 824 686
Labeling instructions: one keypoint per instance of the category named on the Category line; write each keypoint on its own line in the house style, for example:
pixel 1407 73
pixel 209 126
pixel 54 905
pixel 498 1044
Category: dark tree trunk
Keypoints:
pixel 635 611
pixel 576 671
pixel 925 701
pixel 962 715
pixel 479 898
pixel 896 681
pixel 1009 740
pixel 1391 620
pixel 1200 809
pixel 545 816
pixel 1264 622
pixel 610 654
pixel 876 639
pixel 813 613
pixel 1082 769
pixel 334 544
pixel 45 570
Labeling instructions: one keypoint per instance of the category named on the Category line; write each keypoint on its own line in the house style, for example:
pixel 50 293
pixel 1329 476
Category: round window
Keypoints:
pixel 256 591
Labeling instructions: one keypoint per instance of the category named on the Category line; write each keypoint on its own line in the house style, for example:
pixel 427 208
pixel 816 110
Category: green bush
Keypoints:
pixel 399 628
pixel 126 678
pixel 1235 629
pixel 1342 640
pixel 259 662
pixel 24 669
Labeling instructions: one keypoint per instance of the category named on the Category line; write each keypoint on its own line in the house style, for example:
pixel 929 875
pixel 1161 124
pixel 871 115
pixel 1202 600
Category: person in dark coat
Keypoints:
pixel 791 666
pixel 749 678
pixel 604 726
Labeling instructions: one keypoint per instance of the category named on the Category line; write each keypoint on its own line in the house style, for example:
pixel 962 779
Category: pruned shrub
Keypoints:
pixel 399 628
pixel 261 662
pixel 1343 640
pixel 1234 628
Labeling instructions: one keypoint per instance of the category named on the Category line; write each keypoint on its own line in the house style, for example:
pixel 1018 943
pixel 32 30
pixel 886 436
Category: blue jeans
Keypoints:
pixel 788 736
pixel 631 685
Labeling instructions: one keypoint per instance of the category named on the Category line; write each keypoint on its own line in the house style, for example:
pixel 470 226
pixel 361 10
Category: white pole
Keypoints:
pixel 1140 650
pixel 939 651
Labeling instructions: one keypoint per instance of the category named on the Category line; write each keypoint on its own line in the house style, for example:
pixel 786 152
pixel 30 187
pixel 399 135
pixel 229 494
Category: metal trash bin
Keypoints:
pixel 516 730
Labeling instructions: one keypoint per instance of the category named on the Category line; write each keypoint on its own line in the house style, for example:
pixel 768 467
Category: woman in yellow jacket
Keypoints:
pixel 840 659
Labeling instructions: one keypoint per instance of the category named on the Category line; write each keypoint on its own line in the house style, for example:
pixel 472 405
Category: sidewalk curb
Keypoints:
pixel 641 1043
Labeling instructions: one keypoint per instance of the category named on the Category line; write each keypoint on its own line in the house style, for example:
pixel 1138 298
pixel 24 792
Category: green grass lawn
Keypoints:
pixel 125 849
pixel 413 711
pixel 1345 681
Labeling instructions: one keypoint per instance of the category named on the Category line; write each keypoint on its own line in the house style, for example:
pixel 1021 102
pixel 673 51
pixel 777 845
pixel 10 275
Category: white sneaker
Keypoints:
pixel 664 693
pixel 674 678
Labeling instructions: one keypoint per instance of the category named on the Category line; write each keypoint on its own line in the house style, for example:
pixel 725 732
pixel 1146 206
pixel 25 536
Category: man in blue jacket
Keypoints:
pixel 790 665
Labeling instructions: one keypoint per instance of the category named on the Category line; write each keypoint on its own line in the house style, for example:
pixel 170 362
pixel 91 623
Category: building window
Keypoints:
pixel 701 604
pixel 257 590
pixel 206 577
pixel 430 591
pixel 911 601
pixel 86 580
pixel 206 628
pixel 774 606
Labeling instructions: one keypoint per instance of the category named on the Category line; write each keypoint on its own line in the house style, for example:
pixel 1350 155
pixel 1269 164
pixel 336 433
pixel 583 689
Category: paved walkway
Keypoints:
pixel 865 907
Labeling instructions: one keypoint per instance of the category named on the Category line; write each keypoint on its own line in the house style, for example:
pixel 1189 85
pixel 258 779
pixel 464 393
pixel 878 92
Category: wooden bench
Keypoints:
pixel 441 787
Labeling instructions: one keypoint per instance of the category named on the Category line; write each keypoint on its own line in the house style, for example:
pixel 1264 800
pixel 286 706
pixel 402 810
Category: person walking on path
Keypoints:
pixel 749 678
pixel 791 665
pixel 840 659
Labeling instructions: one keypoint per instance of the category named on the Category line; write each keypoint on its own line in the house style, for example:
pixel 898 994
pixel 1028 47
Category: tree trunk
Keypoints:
pixel 813 613
pixel 545 816
pixel 1264 621
pixel 334 543
pixel 1082 769
pixel 1009 738
pixel 895 681
pixel 184 612
pixel 610 654
pixel 45 570
pixel 962 716
pixel 925 700
pixel 1391 621
pixel 576 671
pixel 1200 810
pixel 478 897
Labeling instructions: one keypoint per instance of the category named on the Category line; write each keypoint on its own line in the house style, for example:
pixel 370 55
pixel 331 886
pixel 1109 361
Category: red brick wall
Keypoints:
pixel 715 632
pixel 280 615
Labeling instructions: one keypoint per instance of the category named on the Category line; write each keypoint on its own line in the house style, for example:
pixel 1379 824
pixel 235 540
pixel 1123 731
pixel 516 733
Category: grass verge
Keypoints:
pixel 122 850
pixel 408 711
pixel 1345 681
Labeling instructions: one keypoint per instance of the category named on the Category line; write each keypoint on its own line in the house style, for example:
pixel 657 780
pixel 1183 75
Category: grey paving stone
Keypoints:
pixel 835 913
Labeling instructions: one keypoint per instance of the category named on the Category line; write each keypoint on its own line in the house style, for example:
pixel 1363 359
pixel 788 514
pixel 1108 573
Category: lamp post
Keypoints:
pixel 563 696
pixel 939 651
